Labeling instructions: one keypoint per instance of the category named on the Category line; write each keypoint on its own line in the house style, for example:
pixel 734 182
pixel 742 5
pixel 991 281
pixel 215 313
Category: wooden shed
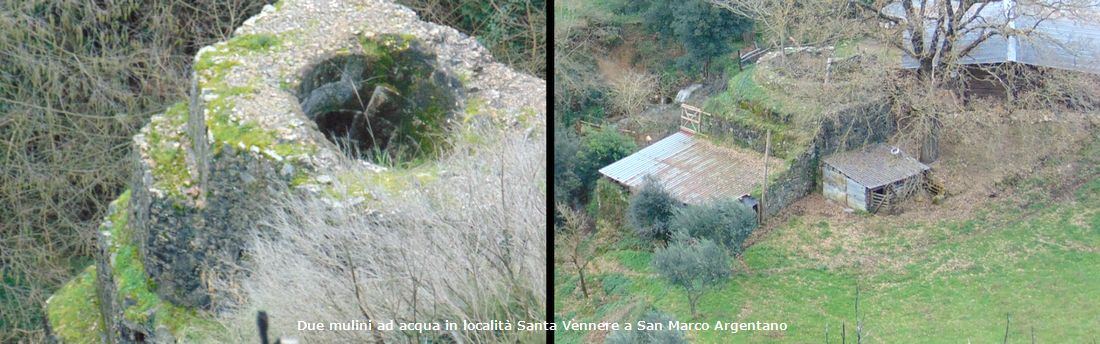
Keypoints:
pixel 871 178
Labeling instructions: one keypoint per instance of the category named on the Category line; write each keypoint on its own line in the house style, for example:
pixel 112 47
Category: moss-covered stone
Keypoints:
pixel 165 138
pixel 406 125
pixel 138 302
pixel 73 311
pixel 254 42
pixel 212 68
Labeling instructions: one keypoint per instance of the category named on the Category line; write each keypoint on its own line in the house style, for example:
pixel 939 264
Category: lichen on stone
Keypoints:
pixel 254 42
pixel 165 138
pixel 212 68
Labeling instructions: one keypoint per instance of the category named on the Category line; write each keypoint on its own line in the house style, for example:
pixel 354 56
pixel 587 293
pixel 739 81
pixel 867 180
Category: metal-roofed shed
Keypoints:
pixel 871 178
pixel 1068 39
pixel 692 169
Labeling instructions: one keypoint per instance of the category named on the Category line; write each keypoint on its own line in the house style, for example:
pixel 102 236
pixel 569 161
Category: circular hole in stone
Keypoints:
pixel 384 101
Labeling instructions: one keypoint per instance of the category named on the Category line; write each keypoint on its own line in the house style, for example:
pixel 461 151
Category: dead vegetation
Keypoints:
pixel 631 91
pixel 514 30
pixel 77 79
pixel 467 245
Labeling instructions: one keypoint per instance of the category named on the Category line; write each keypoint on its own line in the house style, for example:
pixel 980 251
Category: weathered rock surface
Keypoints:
pixel 205 167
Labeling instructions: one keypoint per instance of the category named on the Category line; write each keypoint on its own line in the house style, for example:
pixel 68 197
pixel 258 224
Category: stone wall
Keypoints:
pixel 848 128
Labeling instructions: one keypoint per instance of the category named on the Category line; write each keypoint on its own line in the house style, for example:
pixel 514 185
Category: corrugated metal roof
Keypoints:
pixel 693 170
pixel 875 166
pixel 1065 41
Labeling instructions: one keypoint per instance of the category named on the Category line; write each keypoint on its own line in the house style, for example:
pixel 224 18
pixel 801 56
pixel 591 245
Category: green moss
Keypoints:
pixel 463 78
pixel 166 150
pixel 300 178
pixel 210 63
pixel 419 135
pixel 356 184
pixel 73 311
pixel 186 324
pixel 753 107
pixel 254 42
pixel 527 116
pixel 474 107
pixel 213 67
pixel 132 283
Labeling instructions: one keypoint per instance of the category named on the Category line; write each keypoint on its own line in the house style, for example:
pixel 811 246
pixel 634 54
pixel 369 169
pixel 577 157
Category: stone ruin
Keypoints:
pixel 268 112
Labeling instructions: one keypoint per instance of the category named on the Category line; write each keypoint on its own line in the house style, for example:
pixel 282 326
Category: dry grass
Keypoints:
pixel 470 245
pixel 985 155
pixel 514 30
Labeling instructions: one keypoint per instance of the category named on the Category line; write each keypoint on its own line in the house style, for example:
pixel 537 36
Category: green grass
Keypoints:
pixel 634 260
pixel 846 48
pixel 751 105
pixel 939 282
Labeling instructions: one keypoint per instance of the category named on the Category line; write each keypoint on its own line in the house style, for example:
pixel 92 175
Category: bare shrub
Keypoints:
pixel 77 79
pixel 470 246
pixel 514 30
pixel 787 23
pixel 631 90
pixel 573 245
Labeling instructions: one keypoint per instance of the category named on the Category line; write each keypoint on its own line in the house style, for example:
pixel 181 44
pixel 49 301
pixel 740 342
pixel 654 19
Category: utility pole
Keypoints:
pixel 764 194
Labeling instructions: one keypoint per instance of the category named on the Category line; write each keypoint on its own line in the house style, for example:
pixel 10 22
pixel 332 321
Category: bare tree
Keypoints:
pixel 790 22
pixel 581 31
pixel 938 39
pixel 940 36
pixel 574 245
pixel 631 90
pixel 951 30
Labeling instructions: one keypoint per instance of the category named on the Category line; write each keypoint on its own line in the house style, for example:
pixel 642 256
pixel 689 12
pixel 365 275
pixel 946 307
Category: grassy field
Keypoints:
pixel 1033 256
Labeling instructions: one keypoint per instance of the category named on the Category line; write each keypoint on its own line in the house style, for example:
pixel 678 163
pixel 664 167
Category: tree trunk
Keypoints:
pixel 691 301
pixel 706 69
pixel 930 143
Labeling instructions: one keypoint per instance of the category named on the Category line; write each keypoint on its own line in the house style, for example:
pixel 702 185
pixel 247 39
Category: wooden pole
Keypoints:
pixel 764 194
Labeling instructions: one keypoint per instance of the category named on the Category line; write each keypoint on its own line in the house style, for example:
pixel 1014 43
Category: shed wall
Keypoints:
pixel 839 188
pixel 834 185
pixel 857 195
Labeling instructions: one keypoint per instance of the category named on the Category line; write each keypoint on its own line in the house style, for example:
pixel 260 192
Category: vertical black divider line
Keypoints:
pixel 549 171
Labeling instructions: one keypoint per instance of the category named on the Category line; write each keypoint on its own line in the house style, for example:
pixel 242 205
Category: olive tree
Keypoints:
pixel 694 265
pixel 663 335
pixel 650 211
pixel 727 222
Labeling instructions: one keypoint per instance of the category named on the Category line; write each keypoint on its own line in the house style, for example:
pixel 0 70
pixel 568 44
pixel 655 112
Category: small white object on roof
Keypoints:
pixel 1069 39
pixel 876 165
